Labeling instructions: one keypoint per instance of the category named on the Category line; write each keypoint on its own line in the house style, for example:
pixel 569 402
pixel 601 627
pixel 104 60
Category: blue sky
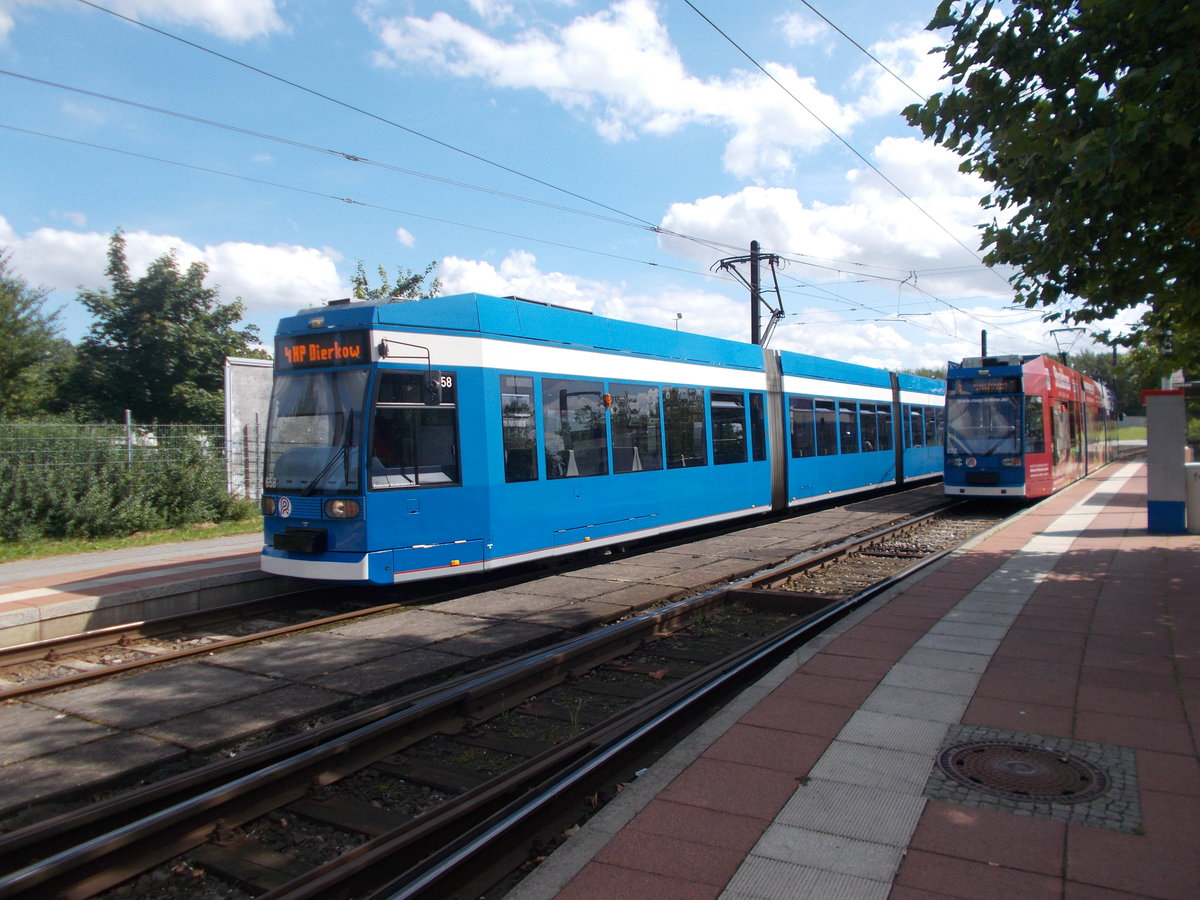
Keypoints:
pixel 535 147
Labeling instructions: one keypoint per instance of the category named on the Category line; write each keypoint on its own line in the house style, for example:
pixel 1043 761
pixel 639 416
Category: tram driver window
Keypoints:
pixel 413 442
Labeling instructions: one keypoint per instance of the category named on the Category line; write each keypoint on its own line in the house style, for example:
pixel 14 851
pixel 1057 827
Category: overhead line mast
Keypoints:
pixel 757 334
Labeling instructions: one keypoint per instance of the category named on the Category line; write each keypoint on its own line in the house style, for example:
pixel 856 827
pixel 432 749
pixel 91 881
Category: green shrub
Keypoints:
pixel 62 480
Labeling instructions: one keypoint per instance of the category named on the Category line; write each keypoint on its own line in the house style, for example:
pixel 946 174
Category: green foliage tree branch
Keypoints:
pixel 1083 114
pixel 409 285
pixel 35 357
pixel 158 343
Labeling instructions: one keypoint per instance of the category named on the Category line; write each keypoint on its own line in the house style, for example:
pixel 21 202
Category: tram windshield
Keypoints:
pixel 983 426
pixel 313 432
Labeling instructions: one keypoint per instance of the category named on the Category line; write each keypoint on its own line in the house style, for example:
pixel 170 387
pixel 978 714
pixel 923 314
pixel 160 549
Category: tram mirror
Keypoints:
pixel 433 388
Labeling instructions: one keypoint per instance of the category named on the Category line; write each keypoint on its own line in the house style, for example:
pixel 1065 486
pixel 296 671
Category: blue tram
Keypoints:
pixel 455 434
pixel 1023 426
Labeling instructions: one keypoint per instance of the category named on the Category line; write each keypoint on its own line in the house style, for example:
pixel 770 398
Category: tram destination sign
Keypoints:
pixel 992 385
pixel 332 348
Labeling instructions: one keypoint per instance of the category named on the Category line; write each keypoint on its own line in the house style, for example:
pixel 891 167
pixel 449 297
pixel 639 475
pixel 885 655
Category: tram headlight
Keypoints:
pixel 955 461
pixel 341 508
pixel 267 505
pixel 1012 461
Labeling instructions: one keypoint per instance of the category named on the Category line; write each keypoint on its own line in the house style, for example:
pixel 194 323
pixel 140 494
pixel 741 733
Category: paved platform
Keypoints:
pixel 1070 629
pixel 62 595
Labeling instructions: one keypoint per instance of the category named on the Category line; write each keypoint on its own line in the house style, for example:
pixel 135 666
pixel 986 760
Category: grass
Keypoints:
pixel 1131 432
pixel 10 552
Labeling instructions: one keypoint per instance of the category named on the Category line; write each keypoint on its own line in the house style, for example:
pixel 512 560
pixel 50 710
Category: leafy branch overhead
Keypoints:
pixel 1083 114
pixel 409 285
pixel 158 343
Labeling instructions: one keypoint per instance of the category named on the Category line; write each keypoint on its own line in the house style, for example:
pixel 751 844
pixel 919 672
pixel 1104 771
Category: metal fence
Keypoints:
pixel 57 445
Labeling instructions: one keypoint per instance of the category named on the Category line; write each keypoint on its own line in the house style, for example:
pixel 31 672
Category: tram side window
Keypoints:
pixel 1060 436
pixel 804 442
pixel 636 428
pixel 933 436
pixel 728 427
pixel 884 431
pixel 414 442
pixel 575 427
pixel 758 427
pixel 827 427
pixel 1035 425
pixel 518 427
pixel 916 427
pixel 687 442
pixel 869 427
pixel 848 426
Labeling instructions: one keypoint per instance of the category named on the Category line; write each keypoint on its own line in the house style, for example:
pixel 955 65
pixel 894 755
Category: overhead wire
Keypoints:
pixel 347 200
pixel 361 111
pixel 845 143
pixel 350 157
pixel 640 222
pixel 865 51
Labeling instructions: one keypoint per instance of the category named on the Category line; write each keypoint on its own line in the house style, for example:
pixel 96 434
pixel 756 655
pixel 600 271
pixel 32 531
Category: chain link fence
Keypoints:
pixel 38 446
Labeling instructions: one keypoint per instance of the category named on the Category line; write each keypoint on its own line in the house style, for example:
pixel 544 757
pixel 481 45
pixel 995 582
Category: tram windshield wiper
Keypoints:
pixel 342 454
pixel 1012 433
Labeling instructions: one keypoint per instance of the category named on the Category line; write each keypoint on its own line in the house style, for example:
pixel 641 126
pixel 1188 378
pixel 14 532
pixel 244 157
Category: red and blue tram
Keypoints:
pixel 1022 426
pixel 411 440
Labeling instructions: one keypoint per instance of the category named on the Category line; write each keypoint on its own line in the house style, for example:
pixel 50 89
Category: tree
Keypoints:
pixel 1127 374
pixel 408 285
pixel 158 343
pixel 1083 114
pixel 35 357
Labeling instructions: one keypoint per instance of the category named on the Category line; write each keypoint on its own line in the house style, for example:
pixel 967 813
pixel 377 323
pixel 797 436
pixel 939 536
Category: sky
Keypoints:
pixel 600 155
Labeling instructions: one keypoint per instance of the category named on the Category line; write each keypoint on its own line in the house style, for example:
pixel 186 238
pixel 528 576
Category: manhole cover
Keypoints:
pixel 1022 771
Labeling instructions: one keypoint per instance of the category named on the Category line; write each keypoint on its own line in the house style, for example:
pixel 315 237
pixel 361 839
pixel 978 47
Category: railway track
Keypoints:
pixel 454 788
pixel 73 660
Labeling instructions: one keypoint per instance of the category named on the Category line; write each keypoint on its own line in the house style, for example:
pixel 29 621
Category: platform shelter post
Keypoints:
pixel 1166 440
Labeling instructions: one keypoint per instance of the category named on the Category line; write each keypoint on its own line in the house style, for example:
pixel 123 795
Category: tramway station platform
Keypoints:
pixel 1058 656
pixel 64 595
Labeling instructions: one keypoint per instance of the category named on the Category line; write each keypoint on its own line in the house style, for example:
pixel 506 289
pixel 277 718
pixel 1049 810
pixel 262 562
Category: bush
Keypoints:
pixel 62 480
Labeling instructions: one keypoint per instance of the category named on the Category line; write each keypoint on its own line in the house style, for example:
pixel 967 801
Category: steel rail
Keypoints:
pixel 46 650
pixel 174 818
pixel 600 748
pixel 250 788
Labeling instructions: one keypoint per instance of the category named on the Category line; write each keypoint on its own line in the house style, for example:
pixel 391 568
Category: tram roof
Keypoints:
pixel 515 318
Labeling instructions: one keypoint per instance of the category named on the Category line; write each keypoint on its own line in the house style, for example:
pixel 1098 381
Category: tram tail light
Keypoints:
pixel 1012 461
pixel 341 508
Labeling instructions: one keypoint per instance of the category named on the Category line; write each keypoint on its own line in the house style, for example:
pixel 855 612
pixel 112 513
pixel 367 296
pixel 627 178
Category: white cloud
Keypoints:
pixel 405 237
pixel 801 30
pixel 915 73
pixel 874 223
pixel 518 275
pixel 236 20
pixel 619 69
pixel 267 278
pixel 493 12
